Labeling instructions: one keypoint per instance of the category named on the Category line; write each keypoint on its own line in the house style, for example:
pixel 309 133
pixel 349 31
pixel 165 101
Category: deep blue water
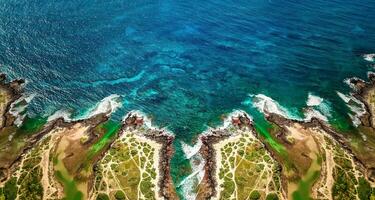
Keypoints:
pixel 184 62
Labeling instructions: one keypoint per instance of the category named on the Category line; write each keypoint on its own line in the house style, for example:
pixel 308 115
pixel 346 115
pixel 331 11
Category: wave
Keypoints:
pixel 313 100
pixel 348 82
pixel 18 108
pixel 107 106
pixel 317 107
pixel 235 113
pixel 312 113
pixel 357 108
pixel 189 184
pixel 266 105
pixel 190 151
pixel 369 57
pixel 146 121
pixel 61 114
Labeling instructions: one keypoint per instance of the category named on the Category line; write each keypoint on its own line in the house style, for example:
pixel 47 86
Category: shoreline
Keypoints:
pixel 135 121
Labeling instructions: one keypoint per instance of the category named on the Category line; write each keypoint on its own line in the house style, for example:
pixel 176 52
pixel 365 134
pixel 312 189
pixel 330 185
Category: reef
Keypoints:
pixel 95 157
pixel 312 159
pixel 90 158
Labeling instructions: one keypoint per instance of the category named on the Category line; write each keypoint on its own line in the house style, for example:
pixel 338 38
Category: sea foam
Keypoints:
pixel 107 106
pixel 64 114
pixel 357 108
pixel 369 57
pixel 313 100
pixel 266 105
pixel 18 108
pixel 312 113
pixel 190 151
pixel 189 184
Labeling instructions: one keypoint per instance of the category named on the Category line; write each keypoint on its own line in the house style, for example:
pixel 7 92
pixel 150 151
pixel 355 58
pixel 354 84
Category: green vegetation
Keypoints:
pixel 255 195
pixel 30 185
pixel 120 195
pixel 102 196
pixel 242 161
pixel 10 189
pixel 128 168
pixel 25 183
pixel 272 196
pixel 364 189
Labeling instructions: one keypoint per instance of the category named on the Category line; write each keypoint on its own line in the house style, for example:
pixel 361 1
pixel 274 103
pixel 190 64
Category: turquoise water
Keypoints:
pixel 185 62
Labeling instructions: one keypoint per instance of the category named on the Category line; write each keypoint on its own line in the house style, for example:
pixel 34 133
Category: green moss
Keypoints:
pixel 263 129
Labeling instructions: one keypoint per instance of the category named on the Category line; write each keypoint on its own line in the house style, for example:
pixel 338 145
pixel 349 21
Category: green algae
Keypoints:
pixel 70 187
pixel 342 123
pixel 110 128
pixel 32 125
pixel 304 187
pixel 263 129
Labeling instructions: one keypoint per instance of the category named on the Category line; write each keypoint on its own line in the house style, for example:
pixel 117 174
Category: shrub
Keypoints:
pixel 120 195
pixel 255 195
pixel 10 189
pixel 102 196
pixel 364 189
pixel 272 196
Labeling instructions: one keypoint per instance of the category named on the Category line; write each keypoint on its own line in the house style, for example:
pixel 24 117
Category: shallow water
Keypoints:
pixel 186 62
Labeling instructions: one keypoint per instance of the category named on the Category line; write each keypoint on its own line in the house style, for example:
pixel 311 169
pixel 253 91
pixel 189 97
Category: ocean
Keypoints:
pixel 185 63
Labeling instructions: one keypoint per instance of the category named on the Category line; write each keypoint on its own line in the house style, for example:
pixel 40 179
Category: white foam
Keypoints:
pixel 266 105
pixel 190 151
pixel 64 114
pixel 357 108
pixel 16 108
pixel 313 100
pixel 228 120
pixel 344 97
pixel 146 120
pixel 191 182
pixel 369 57
pixel 312 113
pixel 107 106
